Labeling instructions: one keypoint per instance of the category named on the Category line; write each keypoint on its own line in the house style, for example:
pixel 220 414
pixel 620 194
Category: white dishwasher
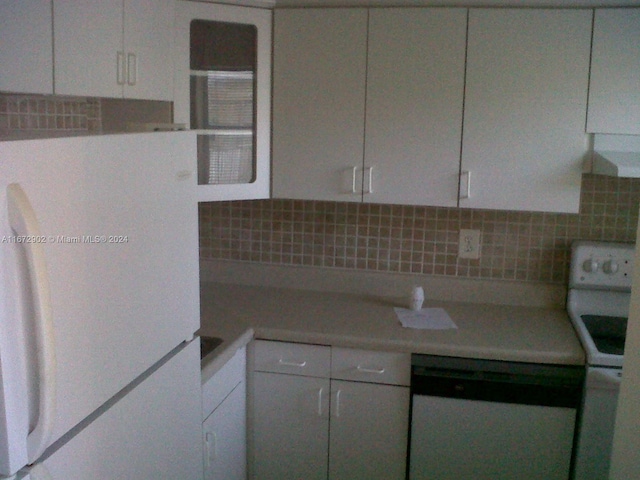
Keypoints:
pixel 491 420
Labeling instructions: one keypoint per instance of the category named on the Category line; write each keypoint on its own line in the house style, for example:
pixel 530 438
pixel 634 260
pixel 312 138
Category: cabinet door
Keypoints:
pixel 291 427
pixel 225 438
pixel 415 87
pixel 148 40
pixel 318 103
pixel 223 90
pixel 369 429
pixel 111 48
pixel 88 37
pixel 524 137
pixel 614 96
pixel 26 46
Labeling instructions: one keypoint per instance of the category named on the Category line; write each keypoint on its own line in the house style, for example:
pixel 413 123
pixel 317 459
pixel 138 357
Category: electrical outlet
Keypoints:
pixel 469 244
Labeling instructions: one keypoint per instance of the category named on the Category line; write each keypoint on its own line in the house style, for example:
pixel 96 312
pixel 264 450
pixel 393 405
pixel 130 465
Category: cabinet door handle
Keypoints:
pixel 132 69
pixel 362 369
pixel 292 364
pixel 337 405
pixel 211 441
pixel 465 188
pixel 369 180
pixel 320 401
pixel 120 68
pixel 353 180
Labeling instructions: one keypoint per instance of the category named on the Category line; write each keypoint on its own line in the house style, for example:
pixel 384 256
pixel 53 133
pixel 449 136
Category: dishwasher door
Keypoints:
pixel 460 439
pixel 475 419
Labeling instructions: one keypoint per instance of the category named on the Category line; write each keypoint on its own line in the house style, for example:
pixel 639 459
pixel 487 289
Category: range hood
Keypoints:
pixel 616 155
pixel 616 164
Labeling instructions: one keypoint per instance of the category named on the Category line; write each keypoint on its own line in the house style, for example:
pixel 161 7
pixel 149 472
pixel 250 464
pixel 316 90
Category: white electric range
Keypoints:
pixel 598 305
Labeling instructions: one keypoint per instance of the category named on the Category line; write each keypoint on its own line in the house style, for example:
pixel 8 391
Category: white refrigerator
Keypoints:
pixel 99 302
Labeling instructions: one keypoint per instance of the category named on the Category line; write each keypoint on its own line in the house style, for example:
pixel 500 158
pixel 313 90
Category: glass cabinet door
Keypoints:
pixel 222 90
pixel 223 66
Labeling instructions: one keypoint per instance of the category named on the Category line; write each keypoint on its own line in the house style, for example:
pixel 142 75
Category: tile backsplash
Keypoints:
pixel 527 246
pixel 24 116
pixel 47 115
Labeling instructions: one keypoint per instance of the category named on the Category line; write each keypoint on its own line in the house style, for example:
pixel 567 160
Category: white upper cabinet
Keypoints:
pixel 318 103
pixel 368 104
pixel 524 137
pixel 415 87
pixel 148 42
pixel 614 93
pixel 114 48
pixel 26 53
pixel 223 91
pixel 479 108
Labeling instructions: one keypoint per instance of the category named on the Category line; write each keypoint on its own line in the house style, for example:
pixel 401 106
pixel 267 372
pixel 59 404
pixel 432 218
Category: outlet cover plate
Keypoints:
pixel 469 244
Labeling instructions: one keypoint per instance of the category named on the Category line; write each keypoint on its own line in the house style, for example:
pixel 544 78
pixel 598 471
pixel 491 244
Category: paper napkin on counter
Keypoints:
pixel 426 319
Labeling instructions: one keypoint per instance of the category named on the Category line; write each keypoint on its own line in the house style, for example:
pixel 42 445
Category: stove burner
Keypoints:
pixel 608 333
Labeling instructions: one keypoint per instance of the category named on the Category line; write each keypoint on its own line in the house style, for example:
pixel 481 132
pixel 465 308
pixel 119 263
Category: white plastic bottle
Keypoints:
pixel 417 298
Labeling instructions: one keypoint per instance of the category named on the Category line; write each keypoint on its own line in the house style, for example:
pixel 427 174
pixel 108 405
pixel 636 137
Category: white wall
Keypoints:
pixel 625 463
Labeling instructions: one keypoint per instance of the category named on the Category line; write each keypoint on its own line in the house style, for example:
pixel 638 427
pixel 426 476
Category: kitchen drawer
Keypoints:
pixel 292 358
pixel 216 389
pixel 370 366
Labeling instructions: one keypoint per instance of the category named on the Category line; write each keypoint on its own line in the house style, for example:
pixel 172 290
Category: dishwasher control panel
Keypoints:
pixel 602 265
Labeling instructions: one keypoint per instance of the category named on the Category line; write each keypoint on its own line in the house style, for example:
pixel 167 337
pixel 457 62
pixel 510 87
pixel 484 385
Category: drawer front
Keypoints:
pixel 369 366
pixel 292 358
pixel 223 382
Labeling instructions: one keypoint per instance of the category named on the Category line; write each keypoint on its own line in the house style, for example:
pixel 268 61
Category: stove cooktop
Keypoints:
pixel 608 333
pixel 599 296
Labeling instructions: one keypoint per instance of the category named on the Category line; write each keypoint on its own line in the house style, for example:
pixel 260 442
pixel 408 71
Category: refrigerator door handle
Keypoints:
pixel 23 222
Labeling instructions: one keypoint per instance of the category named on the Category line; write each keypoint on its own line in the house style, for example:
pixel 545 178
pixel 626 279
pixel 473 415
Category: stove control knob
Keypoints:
pixel 610 267
pixel 590 265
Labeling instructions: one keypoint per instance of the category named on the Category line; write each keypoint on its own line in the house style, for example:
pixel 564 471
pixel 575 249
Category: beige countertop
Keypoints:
pixel 238 313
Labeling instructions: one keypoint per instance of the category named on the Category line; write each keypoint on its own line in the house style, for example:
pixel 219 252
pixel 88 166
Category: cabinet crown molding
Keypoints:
pixel 444 3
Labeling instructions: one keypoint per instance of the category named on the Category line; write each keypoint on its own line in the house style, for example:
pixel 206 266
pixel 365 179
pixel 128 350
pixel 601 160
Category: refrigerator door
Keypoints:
pixel 117 224
pixel 153 432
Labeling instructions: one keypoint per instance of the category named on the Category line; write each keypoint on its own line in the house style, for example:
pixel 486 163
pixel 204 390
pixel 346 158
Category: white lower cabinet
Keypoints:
pixel 308 423
pixel 224 426
pixel 368 430
pixel 291 426
pixel 225 438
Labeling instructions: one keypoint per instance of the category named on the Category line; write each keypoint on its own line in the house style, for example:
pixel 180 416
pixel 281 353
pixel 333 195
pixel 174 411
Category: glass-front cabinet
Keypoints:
pixel 223 75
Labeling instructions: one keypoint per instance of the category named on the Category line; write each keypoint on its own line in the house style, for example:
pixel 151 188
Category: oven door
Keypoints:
pixel 595 435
